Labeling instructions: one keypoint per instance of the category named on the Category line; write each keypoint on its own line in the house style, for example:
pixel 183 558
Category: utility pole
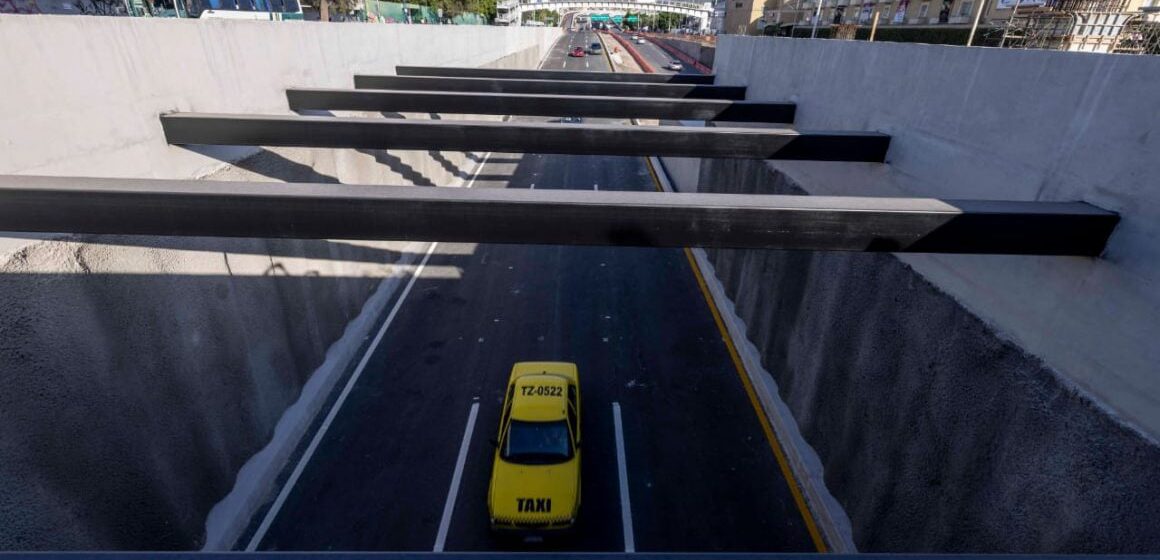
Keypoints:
pixel 817 16
pixel 975 24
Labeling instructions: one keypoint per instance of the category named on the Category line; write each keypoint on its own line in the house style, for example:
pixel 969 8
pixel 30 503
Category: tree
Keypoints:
pixel 452 8
pixel 549 17
pixel 668 21
pixel 631 25
pixel 341 7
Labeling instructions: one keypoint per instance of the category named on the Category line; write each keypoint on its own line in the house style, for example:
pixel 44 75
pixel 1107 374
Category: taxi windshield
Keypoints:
pixel 537 443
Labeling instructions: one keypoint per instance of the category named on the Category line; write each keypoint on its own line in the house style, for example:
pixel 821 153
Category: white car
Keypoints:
pixel 640 40
pixel 674 65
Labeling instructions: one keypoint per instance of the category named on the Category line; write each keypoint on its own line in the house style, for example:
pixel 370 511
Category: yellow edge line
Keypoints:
pixel 766 427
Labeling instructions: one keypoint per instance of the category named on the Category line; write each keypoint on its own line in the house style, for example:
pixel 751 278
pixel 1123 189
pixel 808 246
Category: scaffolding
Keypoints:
pixel 1102 26
pixel 1141 35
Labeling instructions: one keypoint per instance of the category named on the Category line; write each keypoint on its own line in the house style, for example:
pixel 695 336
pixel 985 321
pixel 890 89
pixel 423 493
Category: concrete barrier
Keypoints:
pixel 140 374
pixel 965 403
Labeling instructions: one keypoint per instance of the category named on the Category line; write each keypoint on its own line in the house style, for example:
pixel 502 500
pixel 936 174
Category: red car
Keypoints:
pixel 577 51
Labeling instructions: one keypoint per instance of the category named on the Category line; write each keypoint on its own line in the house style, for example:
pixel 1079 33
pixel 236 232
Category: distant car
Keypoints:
pixel 535 474
pixel 571 120
pixel 595 48
pixel 640 40
pixel 577 51
pixel 674 65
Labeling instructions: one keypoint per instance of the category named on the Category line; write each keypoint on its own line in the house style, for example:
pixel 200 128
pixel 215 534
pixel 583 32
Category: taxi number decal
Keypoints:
pixel 541 391
pixel 534 505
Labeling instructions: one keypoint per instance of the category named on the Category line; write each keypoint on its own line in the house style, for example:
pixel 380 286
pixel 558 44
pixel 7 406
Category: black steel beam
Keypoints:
pixel 571 75
pixel 550 87
pixel 302 99
pixel 541 138
pixel 645 219
pixel 540 555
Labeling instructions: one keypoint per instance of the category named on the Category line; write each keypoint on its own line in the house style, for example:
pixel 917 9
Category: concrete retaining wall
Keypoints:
pixel 140 374
pixel 966 403
pixel 89 89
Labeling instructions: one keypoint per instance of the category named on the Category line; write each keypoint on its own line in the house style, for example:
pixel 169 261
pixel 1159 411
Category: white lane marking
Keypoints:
pixel 586 63
pixel 301 466
pixel 453 492
pixel 595 187
pixel 362 364
pixel 478 168
pixel 565 64
pixel 622 472
pixel 533 186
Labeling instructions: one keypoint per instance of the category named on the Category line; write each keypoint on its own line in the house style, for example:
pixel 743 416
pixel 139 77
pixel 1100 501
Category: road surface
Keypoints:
pixel 700 473
pixel 659 58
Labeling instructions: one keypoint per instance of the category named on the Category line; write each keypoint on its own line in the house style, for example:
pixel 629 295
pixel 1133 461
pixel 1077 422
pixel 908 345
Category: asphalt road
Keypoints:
pixel 659 58
pixel 701 475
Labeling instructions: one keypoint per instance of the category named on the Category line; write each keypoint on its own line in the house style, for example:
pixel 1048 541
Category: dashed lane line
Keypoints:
pixel 456 478
pixel 622 475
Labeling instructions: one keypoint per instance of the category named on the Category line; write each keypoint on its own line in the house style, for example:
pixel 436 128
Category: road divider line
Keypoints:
pixel 456 478
pixel 622 475
pixel 302 462
pixel 479 167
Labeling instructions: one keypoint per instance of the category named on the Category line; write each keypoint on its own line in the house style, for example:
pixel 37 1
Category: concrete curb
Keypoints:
pixel 230 518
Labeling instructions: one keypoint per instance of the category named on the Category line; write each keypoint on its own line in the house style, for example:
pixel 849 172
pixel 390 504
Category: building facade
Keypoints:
pixel 903 12
pixel 745 17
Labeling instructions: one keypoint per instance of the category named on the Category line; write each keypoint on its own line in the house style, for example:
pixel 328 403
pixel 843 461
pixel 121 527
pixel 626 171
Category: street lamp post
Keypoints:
pixel 975 24
pixel 817 16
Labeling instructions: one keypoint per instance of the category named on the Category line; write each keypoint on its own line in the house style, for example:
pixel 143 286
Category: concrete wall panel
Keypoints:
pixel 961 402
pixel 936 433
pixel 140 373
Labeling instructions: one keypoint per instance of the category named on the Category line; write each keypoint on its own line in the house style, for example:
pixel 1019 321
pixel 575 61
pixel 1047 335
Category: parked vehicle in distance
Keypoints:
pixel 577 51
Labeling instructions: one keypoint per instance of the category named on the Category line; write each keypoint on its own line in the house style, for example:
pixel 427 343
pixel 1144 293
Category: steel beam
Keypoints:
pixel 302 99
pixel 540 138
pixel 644 219
pixel 569 75
pixel 550 87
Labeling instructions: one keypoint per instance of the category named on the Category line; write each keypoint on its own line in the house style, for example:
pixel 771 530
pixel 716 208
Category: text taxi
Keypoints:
pixel 535 476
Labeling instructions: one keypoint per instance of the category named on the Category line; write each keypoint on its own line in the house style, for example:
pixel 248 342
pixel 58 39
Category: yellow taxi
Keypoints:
pixel 535 476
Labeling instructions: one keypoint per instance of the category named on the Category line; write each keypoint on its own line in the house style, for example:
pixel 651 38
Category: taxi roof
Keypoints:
pixel 540 407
